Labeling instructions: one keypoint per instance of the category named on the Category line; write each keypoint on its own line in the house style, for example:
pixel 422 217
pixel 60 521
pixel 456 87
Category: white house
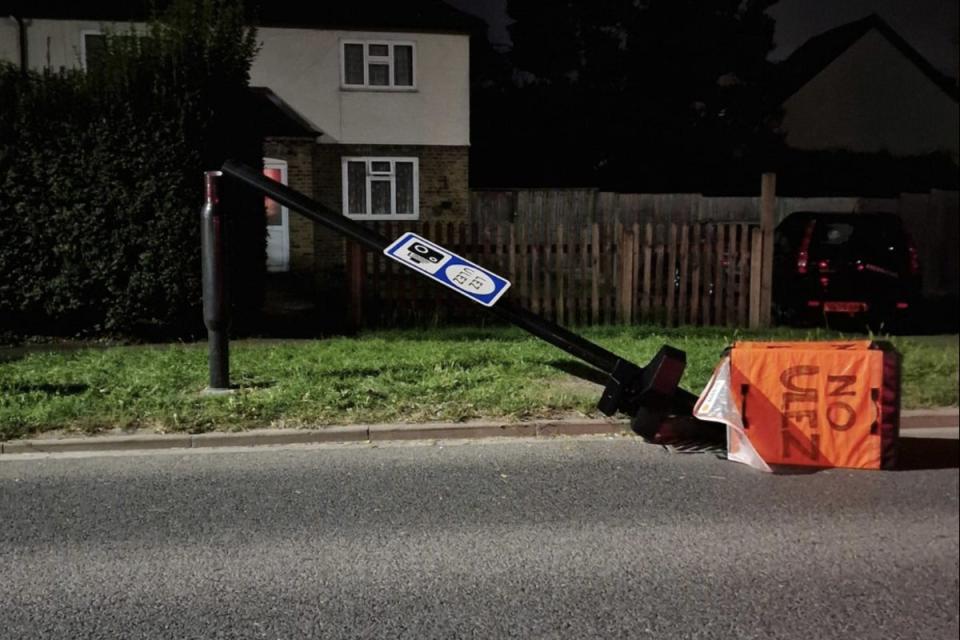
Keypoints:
pixel 370 102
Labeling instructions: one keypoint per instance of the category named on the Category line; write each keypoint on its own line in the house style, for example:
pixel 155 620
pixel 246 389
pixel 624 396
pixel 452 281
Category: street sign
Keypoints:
pixel 448 268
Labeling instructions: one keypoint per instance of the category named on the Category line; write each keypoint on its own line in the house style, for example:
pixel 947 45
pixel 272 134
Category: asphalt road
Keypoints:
pixel 595 537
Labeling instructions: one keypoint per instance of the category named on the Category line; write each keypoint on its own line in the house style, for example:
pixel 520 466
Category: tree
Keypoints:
pixel 655 94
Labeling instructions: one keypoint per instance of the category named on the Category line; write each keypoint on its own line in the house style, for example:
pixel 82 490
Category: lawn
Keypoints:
pixel 448 374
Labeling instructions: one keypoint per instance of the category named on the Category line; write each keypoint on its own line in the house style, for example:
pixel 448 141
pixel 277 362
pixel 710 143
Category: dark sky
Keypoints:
pixel 929 25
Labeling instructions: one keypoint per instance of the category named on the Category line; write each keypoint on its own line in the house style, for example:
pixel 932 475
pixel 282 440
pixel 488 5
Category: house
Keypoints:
pixel 864 113
pixel 862 88
pixel 366 105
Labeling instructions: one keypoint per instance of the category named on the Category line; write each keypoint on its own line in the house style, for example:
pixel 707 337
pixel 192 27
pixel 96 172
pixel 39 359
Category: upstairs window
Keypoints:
pixel 377 65
pixel 381 188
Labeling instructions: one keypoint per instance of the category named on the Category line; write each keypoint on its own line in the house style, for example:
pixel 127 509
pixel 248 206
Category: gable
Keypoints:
pixel 820 51
pixel 871 98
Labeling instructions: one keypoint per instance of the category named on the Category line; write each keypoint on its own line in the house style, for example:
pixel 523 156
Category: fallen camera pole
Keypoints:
pixel 646 394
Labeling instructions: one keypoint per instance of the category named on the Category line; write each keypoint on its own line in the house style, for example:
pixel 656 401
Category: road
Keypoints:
pixel 592 537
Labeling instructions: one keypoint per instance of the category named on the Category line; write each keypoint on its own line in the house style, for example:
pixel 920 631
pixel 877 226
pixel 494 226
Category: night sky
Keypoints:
pixel 929 25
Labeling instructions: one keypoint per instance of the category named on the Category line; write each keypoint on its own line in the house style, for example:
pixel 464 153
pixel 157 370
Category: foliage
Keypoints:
pixel 653 95
pixel 101 178
pixel 400 376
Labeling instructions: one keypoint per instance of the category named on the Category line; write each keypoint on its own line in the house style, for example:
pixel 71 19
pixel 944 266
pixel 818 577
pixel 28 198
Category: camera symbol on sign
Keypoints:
pixel 422 254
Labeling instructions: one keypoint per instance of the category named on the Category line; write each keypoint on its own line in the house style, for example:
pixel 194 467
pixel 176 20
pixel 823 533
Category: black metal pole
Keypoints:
pixel 542 328
pixel 216 310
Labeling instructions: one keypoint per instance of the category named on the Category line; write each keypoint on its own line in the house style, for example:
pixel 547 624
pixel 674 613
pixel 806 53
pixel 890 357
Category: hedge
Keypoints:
pixel 101 180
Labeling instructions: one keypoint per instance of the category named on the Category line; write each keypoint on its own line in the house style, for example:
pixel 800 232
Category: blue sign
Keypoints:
pixel 448 268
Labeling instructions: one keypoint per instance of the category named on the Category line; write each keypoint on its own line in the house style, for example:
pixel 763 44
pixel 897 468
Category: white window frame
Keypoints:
pixel 370 177
pixel 388 60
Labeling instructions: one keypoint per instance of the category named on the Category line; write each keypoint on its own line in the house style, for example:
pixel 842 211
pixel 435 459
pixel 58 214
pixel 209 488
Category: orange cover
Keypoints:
pixel 824 404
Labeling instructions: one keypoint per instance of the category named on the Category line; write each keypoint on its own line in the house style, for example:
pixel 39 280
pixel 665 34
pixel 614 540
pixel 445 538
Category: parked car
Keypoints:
pixel 861 266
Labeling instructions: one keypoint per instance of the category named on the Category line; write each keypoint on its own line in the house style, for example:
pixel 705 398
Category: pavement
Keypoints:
pixel 598 537
pixel 947 418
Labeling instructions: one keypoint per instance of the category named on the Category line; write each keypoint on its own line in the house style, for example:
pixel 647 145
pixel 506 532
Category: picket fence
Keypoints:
pixel 666 274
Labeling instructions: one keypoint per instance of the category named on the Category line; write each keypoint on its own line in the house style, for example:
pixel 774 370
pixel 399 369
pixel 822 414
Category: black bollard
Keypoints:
pixel 216 310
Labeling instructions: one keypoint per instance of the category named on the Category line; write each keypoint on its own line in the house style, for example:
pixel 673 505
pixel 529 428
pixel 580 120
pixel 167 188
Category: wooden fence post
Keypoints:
pixel 595 276
pixel 634 304
pixel 682 312
pixel 440 310
pixel 647 271
pixel 768 204
pixel 710 233
pixel 625 284
pixel 696 237
pixel 547 308
pixel 744 279
pixel 512 253
pixel 560 264
pixel 357 264
pixel 523 258
pixel 535 274
pixel 583 279
pixel 756 270
pixel 718 274
pixel 609 266
pixel 731 302
pixel 670 275
pixel 658 286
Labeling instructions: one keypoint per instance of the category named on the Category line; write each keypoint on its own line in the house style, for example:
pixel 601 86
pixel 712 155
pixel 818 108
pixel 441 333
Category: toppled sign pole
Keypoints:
pixel 646 394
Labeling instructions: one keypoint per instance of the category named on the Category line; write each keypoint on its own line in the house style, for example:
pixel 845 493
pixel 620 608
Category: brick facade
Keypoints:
pixel 444 191
pixel 315 169
pixel 444 188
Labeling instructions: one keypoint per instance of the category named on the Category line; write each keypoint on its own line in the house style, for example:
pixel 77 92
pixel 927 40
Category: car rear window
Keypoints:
pixel 874 233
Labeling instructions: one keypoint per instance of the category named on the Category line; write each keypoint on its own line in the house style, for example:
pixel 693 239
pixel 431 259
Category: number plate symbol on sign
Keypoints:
pixel 448 268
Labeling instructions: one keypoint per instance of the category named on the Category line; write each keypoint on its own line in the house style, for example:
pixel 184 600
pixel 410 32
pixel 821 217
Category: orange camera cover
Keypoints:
pixel 823 404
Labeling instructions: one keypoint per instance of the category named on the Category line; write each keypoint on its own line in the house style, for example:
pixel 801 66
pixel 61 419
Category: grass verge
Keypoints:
pixel 450 374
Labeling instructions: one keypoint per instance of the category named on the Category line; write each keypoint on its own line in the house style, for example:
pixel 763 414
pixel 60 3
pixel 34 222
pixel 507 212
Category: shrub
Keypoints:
pixel 101 179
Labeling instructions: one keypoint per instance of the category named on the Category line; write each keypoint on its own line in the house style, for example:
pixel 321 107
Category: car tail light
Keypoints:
pixel 813 303
pixel 824 282
pixel 914 257
pixel 803 256
pixel 824 265
pixel 903 305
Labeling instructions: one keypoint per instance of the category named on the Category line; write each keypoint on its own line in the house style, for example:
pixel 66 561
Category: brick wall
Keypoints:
pixel 315 169
pixel 444 188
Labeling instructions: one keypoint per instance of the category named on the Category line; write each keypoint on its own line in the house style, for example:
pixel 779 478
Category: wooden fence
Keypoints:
pixel 666 273
pixel 544 208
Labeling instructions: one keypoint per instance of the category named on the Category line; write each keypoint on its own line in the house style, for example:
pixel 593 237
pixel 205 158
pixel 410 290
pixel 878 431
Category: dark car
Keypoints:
pixel 861 266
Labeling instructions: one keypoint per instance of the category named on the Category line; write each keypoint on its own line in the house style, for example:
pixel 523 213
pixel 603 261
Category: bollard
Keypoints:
pixel 216 311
